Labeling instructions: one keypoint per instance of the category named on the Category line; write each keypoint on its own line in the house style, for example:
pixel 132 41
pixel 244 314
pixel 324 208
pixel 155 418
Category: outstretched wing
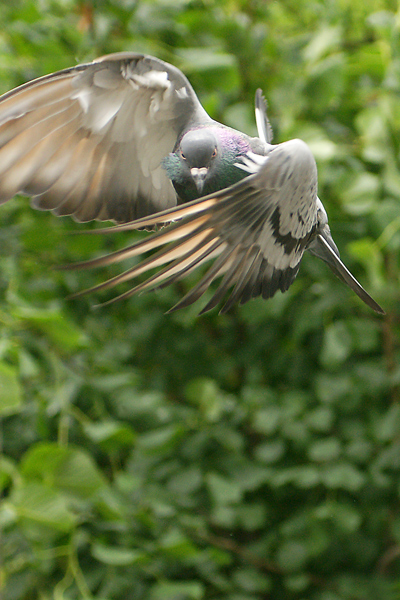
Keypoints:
pixel 89 141
pixel 256 231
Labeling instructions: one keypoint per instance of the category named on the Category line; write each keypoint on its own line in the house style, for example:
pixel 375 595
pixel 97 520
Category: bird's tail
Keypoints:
pixel 325 248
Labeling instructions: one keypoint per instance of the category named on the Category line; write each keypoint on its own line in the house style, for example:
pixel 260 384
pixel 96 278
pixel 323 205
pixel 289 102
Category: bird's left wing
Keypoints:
pixel 256 231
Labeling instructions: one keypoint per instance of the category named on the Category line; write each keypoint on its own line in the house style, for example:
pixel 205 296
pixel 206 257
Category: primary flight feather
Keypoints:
pixel 125 138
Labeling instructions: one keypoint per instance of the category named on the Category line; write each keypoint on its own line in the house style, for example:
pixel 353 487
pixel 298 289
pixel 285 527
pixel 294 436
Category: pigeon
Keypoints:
pixel 125 138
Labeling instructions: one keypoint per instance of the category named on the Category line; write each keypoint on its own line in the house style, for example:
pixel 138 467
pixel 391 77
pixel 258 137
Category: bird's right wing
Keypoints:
pixel 256 231
pixel 88 141
pixel 263 125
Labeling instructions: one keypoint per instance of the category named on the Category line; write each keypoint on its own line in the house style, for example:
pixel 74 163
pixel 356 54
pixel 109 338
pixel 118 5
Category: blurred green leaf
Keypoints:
pixel 346 517
pixel 186 481
pixel 266 420
pixel 270 452
pixel 62 332
pixel 116 556
pixel 325 450
pixel 110 434
pixel 292 556
pixel 361 193
pixel 206 394
pixel 223 491
pixel 343 475
pixel 10 390
pixel 160 439
pixel 250 580
pixel 326 39
pixel 183 590
pixel 39 504
pixel 69 469
pixel 337 345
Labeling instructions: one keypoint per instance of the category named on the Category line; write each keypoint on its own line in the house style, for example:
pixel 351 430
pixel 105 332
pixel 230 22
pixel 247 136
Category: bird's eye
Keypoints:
pixel 183 156
pixel 214 154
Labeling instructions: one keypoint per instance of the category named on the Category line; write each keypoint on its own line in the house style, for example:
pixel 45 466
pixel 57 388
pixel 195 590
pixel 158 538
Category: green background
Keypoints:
pixel 249 456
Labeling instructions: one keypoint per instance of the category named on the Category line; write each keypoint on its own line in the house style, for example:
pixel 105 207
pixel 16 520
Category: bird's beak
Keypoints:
pixel 199 176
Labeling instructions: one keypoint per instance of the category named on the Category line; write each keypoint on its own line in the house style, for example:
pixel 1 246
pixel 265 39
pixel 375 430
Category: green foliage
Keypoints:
pixel 246 456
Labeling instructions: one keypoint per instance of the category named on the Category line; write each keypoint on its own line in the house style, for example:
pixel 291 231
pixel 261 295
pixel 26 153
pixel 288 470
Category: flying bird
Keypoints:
pixel 125 138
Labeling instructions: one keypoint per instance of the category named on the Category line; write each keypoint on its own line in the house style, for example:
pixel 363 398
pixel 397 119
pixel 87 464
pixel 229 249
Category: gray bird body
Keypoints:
pixel 126 139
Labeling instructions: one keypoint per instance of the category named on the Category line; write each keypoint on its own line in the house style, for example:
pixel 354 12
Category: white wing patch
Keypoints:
pixel 251 162
pixel 182 93
pixel 83 97
pixel 273 250
pixel 99 111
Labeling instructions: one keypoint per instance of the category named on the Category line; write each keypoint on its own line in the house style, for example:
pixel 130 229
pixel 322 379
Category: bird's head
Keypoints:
pixel 198 151
pixel 204 162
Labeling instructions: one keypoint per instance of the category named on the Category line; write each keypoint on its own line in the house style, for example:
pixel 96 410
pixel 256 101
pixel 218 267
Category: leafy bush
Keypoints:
pixel 246 456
